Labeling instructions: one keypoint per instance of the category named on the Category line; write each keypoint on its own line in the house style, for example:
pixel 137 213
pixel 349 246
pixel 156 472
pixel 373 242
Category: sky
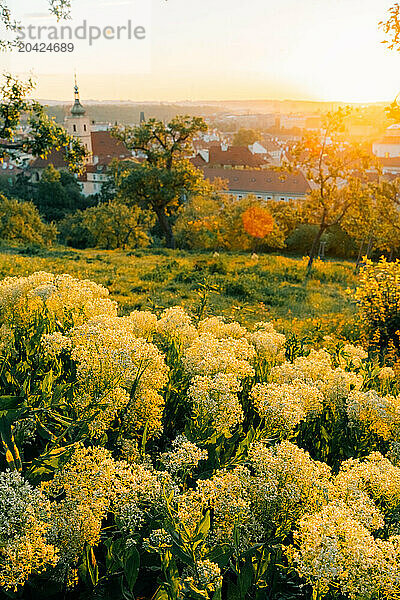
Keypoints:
pixel 215 50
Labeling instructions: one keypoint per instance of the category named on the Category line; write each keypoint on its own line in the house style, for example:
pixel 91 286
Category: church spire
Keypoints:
pixel 77 110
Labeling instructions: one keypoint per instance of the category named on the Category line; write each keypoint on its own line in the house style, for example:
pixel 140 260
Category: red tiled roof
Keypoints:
pixel 55 158
pixel 393 161
pixel 104 146
pixel 389 139
pixel 271 145
pixel 263 181
pixel 202 145
pixel 234 156
pixel 107 147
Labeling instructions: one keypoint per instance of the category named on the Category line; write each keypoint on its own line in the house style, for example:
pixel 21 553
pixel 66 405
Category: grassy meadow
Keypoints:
pixel 242 287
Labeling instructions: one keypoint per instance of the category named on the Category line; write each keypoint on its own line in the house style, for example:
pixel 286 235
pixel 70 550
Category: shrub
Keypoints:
pixel 301 239
pixel 378 299
pixel 110 225
pixel 74 233
pixel 226 223
pixel 20 223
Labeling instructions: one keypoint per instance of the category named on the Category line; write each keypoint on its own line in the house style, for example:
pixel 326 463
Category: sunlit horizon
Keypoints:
pixel 325 51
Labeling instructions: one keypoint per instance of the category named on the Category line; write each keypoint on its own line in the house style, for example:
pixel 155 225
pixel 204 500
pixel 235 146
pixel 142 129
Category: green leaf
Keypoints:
pixel 203 527
pixel 12 454
pixel 91 565
pixel 233 592
pixel 245 578
pixel 161 594
pixel 46 465
pixel 44 432
pixel 8 402
pixel 220 554
pixel 47 382
pixel 131 567
pixel 217 595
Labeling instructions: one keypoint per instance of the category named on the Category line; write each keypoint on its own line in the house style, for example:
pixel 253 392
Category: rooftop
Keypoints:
pixel 263 181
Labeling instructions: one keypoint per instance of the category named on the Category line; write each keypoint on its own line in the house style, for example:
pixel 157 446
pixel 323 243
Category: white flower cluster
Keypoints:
pixel 268 343
pixel 158 541
pixel 87 488
pixel 380 414
pixel 62 297
pixel 215 402
pixel 24 518
pixel 115 371
pixel 208 355
pixel 184 456
pixel 336 552
pixel 288 483
pixel 176 324
pixel 218 328
pixel 283 406
pixel 316 369
pixel 55 343
pixel 352 356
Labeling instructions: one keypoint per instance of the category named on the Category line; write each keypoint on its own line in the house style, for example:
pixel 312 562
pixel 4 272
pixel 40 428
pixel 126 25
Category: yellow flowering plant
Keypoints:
pixel 179 456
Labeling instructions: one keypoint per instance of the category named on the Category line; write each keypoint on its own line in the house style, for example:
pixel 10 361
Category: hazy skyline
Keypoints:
pixel 221 50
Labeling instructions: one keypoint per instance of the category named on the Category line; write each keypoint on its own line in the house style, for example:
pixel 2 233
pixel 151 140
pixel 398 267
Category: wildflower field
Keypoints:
pixel 180 453
pixel 239 286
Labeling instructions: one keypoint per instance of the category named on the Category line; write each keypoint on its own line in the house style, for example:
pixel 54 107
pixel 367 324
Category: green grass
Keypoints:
pixel 247 289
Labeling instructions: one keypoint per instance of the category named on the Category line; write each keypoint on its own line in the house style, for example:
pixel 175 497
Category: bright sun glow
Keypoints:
pixel 313 49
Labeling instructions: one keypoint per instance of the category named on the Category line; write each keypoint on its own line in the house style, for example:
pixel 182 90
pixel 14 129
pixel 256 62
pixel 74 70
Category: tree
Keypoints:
pixel 115 225
pixel 109 225
pixel 391 27
pixel 362 222
pixel 44 133
pixel 241 232
pixel 199 225
pixel 20 222
pixel 56 195
pixel 165 178
pixel 257 221
pixel 387 200
pixel 246 137
pixel 285 214
pixel 334 169
pixel 222 222
pixel 59 8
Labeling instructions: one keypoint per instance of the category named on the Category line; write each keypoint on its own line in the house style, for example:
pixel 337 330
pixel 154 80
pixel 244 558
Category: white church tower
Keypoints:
pixel 78 125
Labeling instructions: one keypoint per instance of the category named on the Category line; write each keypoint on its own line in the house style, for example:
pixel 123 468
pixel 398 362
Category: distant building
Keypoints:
pixel 100 145
pixel 264 184
pixel 78 125
pixel 387 150
pixel 100 126
pixel 225 156
pixel 249 121
pixel 389 145
pixel 269 148
pixel 390 165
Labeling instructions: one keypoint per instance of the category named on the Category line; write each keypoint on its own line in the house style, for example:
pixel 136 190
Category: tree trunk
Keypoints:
pixel 359 257
pixel 165 226
pixel 370 243
pixel 313 250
